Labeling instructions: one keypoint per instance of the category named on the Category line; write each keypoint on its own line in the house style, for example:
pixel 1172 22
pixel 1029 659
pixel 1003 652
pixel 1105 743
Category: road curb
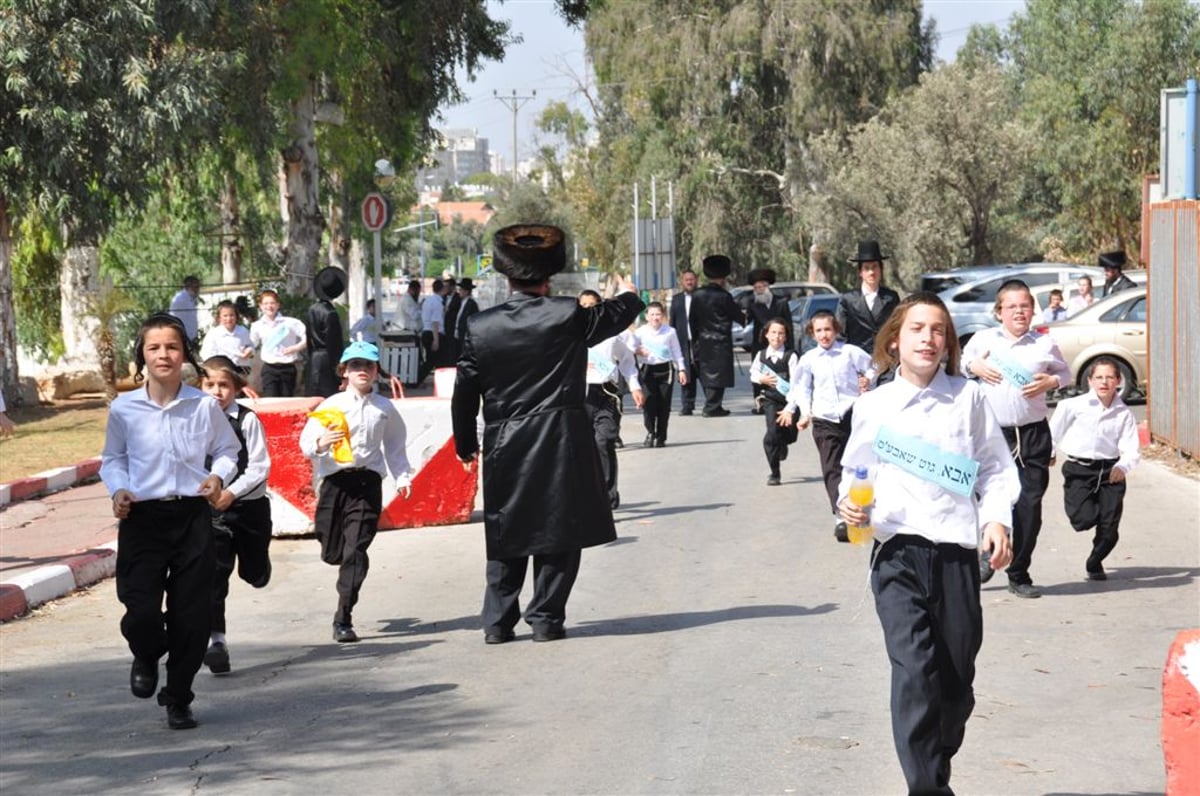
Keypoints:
pixel 31 589
pixel 49 481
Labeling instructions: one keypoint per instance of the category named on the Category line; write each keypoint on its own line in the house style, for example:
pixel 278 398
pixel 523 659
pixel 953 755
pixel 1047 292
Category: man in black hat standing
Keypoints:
pixel 681 310
pixel 456 323
pixel 543 488
pixel 861 313
pixel 325 341
pixel 712 317
pixel 761 306
pixel 1114 277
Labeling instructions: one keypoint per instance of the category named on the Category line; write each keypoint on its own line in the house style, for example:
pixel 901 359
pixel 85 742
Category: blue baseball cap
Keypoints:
pixel 360 349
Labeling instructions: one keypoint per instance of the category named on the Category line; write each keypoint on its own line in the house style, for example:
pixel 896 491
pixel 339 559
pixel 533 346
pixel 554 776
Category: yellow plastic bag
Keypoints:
pixel 334 420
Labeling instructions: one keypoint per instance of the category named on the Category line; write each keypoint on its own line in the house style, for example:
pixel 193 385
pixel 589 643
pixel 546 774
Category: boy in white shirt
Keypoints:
pixel 281 339
pixel 1098 435
pixel 659 353
pixel 227 338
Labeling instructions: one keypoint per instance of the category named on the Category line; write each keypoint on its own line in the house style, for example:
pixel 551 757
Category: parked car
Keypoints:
pixel 1114 326
pixel 802 311
pixel 789 290
pixel 937 281
pixel 972 304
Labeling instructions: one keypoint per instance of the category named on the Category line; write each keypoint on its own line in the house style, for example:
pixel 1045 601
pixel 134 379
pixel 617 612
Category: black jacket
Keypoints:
pixel 859 324
pixel 325 345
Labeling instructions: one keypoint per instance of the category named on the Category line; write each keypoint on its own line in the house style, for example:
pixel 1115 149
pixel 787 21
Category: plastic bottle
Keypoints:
pixel 862 494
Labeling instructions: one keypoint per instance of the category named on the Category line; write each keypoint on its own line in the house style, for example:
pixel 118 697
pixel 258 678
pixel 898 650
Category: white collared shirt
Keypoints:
pixel 410 312
pixel 433 311
pixel 365 328
pixel 827 385
pixel 275 334
pixel 377 436
pixel 219 341
pixel 252 483
pixel 185 307
pixel 1038 353
pixel 953 415
pixel 870 296
pixel 157 451
pixel 657 342
pixel 1084 428
pixel 619 351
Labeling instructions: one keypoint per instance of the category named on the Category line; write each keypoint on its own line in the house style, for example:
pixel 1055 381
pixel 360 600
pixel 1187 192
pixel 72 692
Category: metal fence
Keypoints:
pixel 1173 406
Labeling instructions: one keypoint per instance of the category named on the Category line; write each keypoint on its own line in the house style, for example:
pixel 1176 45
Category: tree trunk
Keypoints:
pixel 231 244
pixel 339 223
pixel 9 370
pixel 79 283
pixel 300 198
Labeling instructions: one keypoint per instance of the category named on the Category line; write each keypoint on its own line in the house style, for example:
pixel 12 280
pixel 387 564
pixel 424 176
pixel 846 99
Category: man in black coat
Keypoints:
pixel 711 333
pixel 543 488
pixel 325 339
pixel 1114 277
pixel 681 307
pixel 761 306
pixel 861 313
pixel 467 306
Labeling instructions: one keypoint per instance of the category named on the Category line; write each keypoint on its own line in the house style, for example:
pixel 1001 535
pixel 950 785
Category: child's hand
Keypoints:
pixel 330 437
pixel 1042 382
pixel 639 398
pixel 1116 476
pixel 784 419
pixel 404 491
pixel 996 541
pixel 223 501
pixel 210 488
pixel 864 383
pixel 803 422
pixel 769 380
pixel 984 371
pixel 122 502
pixel 853 514
pixel 682 377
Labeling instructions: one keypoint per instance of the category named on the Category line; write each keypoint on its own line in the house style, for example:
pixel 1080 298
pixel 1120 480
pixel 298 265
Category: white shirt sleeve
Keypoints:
pixel 258 459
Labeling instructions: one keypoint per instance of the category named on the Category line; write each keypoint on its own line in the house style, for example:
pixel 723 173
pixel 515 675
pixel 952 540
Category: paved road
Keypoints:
pixel 724 644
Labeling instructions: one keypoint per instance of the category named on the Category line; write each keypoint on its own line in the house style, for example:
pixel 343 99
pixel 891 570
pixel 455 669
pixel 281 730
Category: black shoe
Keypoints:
pixel 264 580
pixel 773 480
pixel 1097 574
pixel 343 633
pixel 143 678
pixel 614 500
pixel 985 567
pixel 660 443
pixel 499 637
pixel 840 533
pixel 685 412
pixel 618 443
pixel 549 634
pixel 217 658
pixel 179 717
pixel 720 411
pixel 1025 590
pixel 648 442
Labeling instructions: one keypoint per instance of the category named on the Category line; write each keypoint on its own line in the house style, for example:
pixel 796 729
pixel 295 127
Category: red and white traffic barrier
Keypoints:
pixel 1181 715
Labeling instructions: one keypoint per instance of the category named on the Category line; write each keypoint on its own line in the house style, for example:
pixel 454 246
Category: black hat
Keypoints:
pixel 868 252
pixel 329 283
pixel 529 252
pixel 466 284
pixel 717 266
pixel 1113 260
pixel 761 275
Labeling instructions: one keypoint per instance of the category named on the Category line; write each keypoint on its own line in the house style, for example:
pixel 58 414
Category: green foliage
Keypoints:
pixel 35 288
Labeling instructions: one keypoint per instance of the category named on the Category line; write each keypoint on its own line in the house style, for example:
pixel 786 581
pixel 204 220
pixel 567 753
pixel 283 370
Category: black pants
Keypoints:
pixel 1031 447
pixel 1092 501
pixel 830 438
pixel 658 384
pixel 687 393
pixel 432 359
pixel 241 535
pixel 553 576
pixel 165 548
pixel 323 379
pixel 776 439
pixel 278 381
pixel 604 410
pixel 346 522
pixel 927 599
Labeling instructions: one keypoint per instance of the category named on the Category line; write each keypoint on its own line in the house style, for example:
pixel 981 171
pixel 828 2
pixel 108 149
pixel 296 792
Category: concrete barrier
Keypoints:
pixel 1181 715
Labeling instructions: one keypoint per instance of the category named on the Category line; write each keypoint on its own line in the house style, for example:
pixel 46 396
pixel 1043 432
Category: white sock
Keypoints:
pixel 218 638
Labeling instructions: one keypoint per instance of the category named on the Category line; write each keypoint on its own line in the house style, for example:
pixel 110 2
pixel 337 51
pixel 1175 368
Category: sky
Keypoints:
pixel 552 52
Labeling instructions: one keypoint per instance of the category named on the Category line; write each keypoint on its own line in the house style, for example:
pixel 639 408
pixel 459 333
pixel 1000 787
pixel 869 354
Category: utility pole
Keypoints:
pixel 514 104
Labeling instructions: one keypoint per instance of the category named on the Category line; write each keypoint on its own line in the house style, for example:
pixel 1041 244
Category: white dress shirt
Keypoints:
pixel 275 334
pixel 252 483
pixel 1037 353
pixel 219 341
pixel 658 342
pixel 365 328
pixel 870 296
pixel 410 313
pixel 953 415
pixel 377 437
pixel 157 451
pixel 619 351
pixel 433 311
pixel 827 384
pixel 185 307
pixel 1084 428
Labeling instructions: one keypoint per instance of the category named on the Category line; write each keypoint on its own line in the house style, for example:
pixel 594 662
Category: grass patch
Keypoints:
pixel 53 435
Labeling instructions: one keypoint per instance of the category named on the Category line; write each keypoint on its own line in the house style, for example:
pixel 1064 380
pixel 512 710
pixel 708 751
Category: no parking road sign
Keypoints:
pixel 376 212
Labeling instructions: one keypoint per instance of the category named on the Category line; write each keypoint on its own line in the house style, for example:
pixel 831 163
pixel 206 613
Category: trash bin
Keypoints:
pixel 400 355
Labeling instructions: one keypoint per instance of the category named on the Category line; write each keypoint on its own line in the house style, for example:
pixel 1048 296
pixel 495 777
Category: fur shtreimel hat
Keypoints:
pixel 1113 260
pixel 717 266
pixel 529 252
pixel 329 283
pixel 761 275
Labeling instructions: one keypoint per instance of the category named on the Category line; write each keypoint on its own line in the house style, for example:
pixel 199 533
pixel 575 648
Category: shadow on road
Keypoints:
pixel 1126 578
pixel 641 511
pixel 664 623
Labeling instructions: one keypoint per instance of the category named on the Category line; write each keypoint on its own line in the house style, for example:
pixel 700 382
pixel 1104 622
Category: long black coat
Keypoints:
pixel 526 359
pixel 713 314
pixel 325 348
pixel 678 319
pixel 859 324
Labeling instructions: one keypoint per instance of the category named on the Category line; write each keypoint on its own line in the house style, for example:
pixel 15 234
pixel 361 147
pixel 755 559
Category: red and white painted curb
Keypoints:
pixel 50 481
pixel 31 589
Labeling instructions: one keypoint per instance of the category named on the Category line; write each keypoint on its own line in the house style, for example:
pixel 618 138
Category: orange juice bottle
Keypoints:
pixel 862 494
